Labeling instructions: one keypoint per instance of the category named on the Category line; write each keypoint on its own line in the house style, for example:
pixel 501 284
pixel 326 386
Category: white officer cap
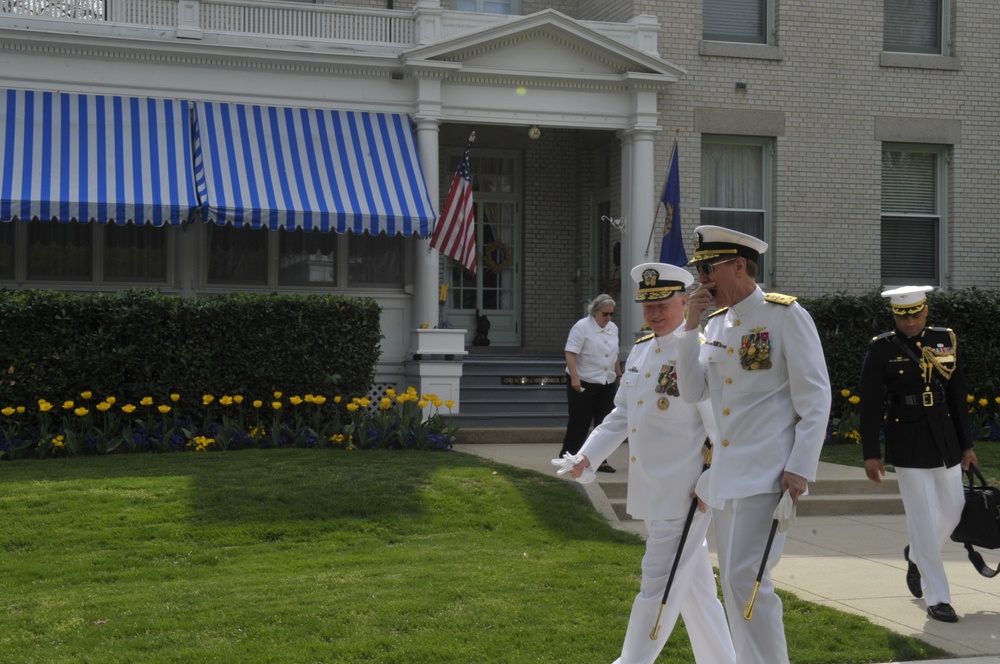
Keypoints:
pixel 659 281
pixel 711 242
pixel 907 300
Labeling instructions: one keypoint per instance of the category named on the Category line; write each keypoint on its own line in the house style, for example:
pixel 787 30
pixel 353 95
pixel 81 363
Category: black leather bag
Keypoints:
pixel 980 523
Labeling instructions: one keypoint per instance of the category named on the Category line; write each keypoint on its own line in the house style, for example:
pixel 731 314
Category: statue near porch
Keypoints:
pixel 482 337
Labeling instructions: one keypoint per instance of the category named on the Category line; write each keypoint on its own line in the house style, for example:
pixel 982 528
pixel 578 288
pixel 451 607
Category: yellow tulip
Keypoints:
pixel 450 404
pixel 164 409
pixel 81 411
pixel 175 397
pixel 352 407
pixel 44 406
pixel 86 395
pixel 855 400
pixel 207 399
pixel 276 405
pixel 226 400
pixel 257 403
pixel 8 411
pixel 146 401
pixel 68 405
pixel 845 393
pixel 111 400
pixel 277 395
pixel 103 406
pixel 20 409
pixel 296 400
pixel 128 408
pixel 319 400
pixel 983 402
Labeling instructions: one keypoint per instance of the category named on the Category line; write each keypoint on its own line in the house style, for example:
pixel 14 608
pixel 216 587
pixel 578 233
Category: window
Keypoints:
pixel 84 253
pixel 245 256
pixel 735 187
pixel 746 21
pixel 512 7
pixel 916 26
pixel 913 205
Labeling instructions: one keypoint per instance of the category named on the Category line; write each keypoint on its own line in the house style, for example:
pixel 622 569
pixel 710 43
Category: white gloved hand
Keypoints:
pixel 784 513
pixel 566 463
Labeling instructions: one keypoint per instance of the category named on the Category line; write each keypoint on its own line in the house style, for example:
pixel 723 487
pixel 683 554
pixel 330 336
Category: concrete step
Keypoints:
pixel 839 491
pixel 488 435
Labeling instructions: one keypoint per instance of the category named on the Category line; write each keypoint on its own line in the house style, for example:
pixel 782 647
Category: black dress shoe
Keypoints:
pixel 942 612
pixel 913 577
pixel 605 468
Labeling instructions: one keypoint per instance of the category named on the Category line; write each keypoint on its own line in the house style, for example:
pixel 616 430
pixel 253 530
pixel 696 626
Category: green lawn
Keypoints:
pixel 310 556
pixel 987 452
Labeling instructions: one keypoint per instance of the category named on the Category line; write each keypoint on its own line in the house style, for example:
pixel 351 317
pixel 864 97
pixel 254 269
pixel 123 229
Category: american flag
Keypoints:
pixel 455 233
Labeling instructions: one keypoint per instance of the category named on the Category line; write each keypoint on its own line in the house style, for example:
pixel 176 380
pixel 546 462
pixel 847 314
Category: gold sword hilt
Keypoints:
pixel 656 628
pixel 748 611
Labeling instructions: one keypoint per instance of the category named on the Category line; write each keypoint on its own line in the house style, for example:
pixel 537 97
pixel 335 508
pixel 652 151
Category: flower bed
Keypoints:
pixel 91 425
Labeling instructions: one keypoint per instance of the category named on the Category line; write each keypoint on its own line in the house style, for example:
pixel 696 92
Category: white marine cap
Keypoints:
pixel 907 300
pixel 659 281
pixel 711 242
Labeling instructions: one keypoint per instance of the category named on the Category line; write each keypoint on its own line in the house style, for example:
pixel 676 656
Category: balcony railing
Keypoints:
pixel 293 20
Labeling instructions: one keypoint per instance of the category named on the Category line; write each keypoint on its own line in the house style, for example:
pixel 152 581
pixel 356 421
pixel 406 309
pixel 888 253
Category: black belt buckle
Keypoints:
pixel 928 398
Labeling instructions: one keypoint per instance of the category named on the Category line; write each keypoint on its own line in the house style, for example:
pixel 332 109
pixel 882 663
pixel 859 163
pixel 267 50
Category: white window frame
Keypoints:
pixel 893 218
pixel 482 6
pixel 767 22
pixel 943 37
pixel 765 267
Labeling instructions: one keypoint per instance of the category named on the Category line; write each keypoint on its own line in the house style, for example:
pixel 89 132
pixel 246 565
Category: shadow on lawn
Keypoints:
pixel 270 491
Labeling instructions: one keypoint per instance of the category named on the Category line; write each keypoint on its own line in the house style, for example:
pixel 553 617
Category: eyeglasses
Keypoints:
pixel 606 314
pixel 708 268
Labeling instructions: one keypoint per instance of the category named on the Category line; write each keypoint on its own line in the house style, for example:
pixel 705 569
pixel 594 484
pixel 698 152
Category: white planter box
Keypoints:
pixel 438 342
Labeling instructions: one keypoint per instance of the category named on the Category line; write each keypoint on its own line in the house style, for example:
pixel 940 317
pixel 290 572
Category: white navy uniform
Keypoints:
pixel 763 367
pixel 666 437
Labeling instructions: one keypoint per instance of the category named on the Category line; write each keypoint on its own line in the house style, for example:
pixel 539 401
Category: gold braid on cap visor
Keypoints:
pixel 910 310
pixel 661 293
pixel 709 254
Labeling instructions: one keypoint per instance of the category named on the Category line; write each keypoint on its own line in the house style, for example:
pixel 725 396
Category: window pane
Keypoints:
pixel 375 260
pixel 307 258
pixel 912 26
pixel 735 21
pixel 6 251
pixel 732 176
pixel 910 251
pixel 60 251
pixel 908 182
pixel 135 253
pixel 237 255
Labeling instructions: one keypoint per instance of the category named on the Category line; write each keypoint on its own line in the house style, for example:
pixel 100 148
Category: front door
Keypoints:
pixel 495 289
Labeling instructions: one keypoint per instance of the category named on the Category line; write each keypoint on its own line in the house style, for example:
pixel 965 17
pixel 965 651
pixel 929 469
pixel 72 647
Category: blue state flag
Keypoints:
pixel 672 250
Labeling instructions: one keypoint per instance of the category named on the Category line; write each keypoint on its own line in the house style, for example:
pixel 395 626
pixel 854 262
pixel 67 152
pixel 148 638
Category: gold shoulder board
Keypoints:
pixel 778 298
pixel 645 338
pixel 720 311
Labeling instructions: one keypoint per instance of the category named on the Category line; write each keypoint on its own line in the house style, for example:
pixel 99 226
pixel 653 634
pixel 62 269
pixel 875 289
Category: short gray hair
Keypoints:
pixel 600 302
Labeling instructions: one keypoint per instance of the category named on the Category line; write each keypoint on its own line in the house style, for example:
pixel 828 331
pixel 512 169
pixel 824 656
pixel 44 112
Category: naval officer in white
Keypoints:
pixel 761 363
pixel 666 439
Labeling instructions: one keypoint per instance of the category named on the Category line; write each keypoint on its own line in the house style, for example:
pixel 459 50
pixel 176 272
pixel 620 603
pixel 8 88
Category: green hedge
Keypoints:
pixel 847 323
pixel 57 345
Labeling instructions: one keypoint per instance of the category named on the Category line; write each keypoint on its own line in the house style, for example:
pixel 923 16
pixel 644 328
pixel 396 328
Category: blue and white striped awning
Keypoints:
pixel 291 168
pixel 72 157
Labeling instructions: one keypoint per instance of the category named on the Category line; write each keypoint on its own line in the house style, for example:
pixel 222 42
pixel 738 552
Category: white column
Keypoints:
pixel 637 158
pixel 426 270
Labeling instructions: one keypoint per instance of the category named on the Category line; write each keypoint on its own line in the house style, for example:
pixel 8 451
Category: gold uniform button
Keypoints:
pixel 729 381
pixel 729 350
pixel 647 374
pixel 633 429
pixel 725 443
pixel 633 459
pixel 725 412
pixel 736 324
pixel 640 402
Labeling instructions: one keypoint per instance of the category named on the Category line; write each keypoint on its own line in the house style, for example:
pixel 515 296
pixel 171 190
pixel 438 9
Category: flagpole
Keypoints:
pixel 659 203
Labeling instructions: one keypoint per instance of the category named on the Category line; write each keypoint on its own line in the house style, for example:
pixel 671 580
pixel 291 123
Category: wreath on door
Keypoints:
pixel 497 256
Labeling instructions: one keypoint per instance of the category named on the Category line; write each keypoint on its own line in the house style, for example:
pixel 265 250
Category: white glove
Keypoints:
pixel 566 463
pixel 784 513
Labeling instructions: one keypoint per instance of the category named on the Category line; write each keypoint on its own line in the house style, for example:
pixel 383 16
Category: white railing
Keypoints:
pixel 294 20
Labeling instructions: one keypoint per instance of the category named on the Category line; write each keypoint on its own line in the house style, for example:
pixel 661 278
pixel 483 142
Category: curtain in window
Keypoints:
pixel 732 187
pixel 307 257
pixel 912 26
pixel 60 251
pixel 735 21
pixel 135 253
pixel 375 260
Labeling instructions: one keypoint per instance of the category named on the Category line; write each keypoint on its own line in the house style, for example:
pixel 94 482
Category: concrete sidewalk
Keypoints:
pixel 851 563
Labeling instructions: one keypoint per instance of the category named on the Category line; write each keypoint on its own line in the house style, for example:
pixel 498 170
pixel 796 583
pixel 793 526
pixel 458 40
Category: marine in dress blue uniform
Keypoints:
pixel 914 391
pixel 666 437
pixel 762 366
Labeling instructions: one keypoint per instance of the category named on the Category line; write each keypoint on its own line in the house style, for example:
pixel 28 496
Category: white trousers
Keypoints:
pixel 693 595
pixel 933 499
pixel 741 530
